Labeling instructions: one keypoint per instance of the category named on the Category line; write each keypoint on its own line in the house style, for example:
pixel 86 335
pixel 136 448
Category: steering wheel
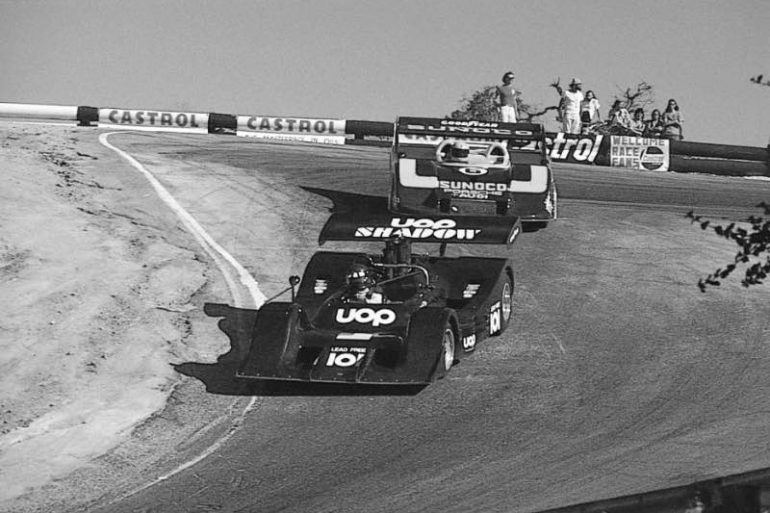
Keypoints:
pixel 441 149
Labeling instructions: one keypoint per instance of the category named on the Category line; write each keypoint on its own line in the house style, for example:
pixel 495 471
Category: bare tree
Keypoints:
pixel 642 95
pixel 482 105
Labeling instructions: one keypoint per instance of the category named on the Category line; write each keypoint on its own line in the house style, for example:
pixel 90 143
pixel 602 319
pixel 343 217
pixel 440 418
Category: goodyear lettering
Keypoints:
pixel 461 129
pixel 366 316
pixel 315 126
pixel 411 228
pixel 462 122
pixel 150 118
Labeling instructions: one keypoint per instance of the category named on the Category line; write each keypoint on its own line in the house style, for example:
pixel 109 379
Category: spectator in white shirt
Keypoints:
pixel 571 101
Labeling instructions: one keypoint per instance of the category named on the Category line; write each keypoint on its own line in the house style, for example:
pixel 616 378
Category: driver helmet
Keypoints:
pixel 459 150
pixel 357 277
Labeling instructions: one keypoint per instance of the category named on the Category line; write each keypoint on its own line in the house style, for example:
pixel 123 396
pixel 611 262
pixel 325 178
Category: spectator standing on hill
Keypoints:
pixel 571 101
pixel 589 109
pixel 654 126
pixel 506 97
pixel 672 121
pixel 637 124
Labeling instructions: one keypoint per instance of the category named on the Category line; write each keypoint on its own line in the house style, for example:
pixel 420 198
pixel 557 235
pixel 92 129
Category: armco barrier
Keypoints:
pixel 685 156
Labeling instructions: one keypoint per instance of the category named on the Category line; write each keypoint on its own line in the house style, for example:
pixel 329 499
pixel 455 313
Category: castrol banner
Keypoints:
pixel 644 153
pixel 577 148
pixel 326 131
pixel 155 120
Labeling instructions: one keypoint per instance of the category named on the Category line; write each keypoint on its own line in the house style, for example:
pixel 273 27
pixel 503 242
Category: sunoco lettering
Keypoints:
pixel 140 117
pixel 475 186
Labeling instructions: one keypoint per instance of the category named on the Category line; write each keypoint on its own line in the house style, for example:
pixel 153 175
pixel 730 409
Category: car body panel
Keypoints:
pixel 320 337
pixel 508 172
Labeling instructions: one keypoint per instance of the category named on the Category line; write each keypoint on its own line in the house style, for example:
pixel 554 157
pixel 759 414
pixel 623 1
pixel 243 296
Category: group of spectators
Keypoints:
pixel 667 124
pixel 580 113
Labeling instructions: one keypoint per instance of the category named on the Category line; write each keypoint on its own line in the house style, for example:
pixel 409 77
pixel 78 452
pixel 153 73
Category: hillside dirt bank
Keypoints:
pixel 102 291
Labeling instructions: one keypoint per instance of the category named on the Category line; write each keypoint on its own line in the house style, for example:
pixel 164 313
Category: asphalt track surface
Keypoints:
pixel 616 375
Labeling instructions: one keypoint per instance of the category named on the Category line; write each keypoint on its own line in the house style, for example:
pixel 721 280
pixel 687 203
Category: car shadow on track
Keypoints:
pixel 219 377
pixel 352 202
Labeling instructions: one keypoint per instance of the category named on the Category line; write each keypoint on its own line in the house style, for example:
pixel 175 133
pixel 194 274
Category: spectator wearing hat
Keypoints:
pixel 506 97
pixel 570 101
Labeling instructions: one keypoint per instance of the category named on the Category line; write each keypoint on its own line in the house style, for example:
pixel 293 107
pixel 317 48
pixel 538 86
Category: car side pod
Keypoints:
pixel 346 226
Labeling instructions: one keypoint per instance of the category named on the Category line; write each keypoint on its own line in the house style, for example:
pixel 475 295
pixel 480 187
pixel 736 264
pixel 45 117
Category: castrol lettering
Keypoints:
pixel 416 228
pixel 574 148
pixel 151 118
pixel 381 317
pixel 292 125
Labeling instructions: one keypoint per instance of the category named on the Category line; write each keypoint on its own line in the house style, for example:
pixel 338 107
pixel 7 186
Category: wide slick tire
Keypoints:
pixel 434 331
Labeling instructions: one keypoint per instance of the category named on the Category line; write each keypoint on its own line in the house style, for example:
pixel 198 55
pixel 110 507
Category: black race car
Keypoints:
pixel 388 318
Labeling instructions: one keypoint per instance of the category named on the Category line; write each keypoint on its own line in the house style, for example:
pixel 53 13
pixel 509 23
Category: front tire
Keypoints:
pixel 433 335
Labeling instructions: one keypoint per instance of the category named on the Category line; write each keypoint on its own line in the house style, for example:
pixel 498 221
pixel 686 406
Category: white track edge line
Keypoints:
pixel 203 238
pixel 217 253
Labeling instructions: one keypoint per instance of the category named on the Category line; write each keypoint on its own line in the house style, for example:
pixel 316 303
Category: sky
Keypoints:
pixel 376 60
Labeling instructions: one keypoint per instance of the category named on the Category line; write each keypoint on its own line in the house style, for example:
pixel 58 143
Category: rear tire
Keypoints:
pixel 506 301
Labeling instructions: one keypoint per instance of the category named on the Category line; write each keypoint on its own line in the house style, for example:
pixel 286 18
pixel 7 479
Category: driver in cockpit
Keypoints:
pixel 361 287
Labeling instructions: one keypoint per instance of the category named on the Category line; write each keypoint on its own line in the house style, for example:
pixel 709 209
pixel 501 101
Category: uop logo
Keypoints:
pixel 411 228
pixel 366 316
pixel 652 158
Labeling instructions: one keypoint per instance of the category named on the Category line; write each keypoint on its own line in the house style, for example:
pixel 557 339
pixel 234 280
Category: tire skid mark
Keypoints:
pixel 243 288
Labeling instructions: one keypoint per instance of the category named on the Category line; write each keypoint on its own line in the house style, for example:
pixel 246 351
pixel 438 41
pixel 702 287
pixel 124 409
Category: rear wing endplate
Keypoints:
pixel 346 226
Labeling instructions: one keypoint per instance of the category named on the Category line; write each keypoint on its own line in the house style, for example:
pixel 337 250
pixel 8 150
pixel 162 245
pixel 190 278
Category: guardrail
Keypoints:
pixel 623 151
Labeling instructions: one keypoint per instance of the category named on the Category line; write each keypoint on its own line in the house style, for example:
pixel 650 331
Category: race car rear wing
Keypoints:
pixel 462 129
pixel 345 226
